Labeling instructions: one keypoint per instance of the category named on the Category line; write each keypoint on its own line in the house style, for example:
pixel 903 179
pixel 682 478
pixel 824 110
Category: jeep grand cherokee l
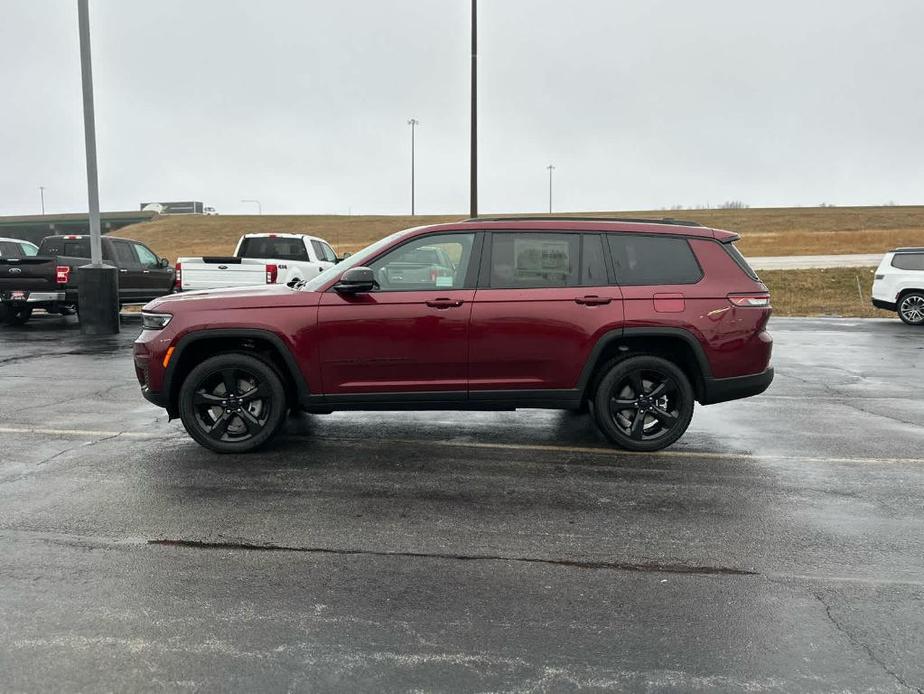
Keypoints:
pixel 631 319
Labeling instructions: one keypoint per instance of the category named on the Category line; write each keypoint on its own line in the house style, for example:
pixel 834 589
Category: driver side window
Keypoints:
pixel 427 263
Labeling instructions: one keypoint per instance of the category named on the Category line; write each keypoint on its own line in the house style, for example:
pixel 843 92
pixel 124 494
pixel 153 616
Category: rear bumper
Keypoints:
pixel 887 305
pixel 34 298
pixel 725 389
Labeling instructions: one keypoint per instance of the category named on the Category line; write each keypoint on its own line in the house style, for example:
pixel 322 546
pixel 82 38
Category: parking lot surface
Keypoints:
pixel 778 546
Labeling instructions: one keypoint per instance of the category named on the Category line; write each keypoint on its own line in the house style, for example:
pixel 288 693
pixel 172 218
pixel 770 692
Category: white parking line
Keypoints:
pixel 537 448
pixel 79 433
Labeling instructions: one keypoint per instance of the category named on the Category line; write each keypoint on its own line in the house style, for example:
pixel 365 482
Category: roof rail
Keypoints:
pixel 912 249
pixel 550 218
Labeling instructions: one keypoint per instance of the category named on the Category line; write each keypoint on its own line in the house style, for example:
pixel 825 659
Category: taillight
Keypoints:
pixel 62 274
pixel 272 272
pixel 750 300
pixel 178 282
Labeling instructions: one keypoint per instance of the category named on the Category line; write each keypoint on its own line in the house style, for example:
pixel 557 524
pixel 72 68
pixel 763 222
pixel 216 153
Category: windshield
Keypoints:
pixel 356 260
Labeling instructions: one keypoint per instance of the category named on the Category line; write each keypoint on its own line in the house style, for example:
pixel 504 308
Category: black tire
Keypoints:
pixel 643 403
pixel 244 421
pixel 18 316
pixel 911 308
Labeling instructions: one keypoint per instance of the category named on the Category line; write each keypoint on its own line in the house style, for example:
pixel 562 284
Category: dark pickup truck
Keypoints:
pixel 49 280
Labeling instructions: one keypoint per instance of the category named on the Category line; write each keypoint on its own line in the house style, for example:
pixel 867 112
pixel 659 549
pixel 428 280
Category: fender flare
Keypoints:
pixel 622 333
pixel 301 387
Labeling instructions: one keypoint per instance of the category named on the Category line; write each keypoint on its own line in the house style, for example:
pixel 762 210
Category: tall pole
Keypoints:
pixel 97 283
pixel 258 203
pixel 42 191
pixel 413 122
pixel 473 207
pixel 551 168
pixel 89 130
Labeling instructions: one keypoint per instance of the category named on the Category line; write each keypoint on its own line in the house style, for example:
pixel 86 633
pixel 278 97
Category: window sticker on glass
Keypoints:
pixel 540 256
pixel 444 281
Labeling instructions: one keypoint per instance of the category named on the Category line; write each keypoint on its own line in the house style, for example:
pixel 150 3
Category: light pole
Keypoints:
pixel 551 168
pixel 258 203
pixel 413 122
pixel 42 191
pixel 473 185
pixel 97 284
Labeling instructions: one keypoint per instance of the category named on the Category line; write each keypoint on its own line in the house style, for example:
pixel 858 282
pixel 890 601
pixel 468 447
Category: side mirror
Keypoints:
pixel 163 263
pixel 356 280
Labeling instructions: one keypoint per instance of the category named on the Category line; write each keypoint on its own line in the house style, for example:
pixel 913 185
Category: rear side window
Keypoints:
pixel 274 248
pixel 646 260
pixel 124 255
pixel 593 267
pixel 908 261
pixel 531 260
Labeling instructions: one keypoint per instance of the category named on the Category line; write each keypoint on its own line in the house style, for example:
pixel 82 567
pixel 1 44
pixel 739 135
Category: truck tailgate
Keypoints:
pixel 217 273
pixel 35 273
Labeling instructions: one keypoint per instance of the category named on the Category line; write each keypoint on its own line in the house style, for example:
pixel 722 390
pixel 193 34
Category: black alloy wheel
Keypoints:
pixel 643 403
pixel 911 308
pixel 232 403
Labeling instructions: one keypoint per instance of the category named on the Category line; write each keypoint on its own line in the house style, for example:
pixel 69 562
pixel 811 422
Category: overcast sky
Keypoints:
pixel 304 104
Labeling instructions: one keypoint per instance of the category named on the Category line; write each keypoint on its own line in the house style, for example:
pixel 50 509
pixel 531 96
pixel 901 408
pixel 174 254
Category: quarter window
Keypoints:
pixel 430 262
pixel 908 261
pixel 534 260
pixel 648 260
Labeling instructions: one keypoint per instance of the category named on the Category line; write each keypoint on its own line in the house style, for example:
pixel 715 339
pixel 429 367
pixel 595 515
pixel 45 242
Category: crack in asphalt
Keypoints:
pixel 644 567
pixel 70 449
pixel 860 644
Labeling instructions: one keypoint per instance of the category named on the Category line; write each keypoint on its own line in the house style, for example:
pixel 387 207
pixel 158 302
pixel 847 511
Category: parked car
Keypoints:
pixel 899 284
pixel 48 279
pixel 634 319
pixel 17 248
pixel 258 259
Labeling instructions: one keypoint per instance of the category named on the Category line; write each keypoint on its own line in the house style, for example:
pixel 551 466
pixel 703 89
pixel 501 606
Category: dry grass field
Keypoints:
pixel 837 292
pixel 772 231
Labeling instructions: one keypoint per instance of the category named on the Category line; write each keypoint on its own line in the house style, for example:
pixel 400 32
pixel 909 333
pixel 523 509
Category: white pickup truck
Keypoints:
pixel 258 259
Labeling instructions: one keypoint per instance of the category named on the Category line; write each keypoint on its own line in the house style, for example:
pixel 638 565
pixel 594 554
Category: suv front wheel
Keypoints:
pixel 232 403
pixel 643 403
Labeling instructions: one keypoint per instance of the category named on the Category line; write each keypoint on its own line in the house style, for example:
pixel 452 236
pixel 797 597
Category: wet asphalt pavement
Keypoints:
pixel 778 546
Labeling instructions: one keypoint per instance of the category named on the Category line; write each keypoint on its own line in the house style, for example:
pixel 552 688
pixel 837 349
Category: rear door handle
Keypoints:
pixel 593 300
pixel 444 303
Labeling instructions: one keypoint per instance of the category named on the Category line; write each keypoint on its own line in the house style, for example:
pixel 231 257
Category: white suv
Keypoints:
pixel 899 284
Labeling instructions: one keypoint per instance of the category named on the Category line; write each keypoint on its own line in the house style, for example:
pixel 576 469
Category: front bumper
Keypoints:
pixel 725 389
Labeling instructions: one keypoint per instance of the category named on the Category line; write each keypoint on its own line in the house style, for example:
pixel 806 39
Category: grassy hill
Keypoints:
pixel 767 231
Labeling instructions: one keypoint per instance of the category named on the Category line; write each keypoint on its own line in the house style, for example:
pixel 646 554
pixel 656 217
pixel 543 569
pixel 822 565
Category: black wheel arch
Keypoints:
pixel 193 347
pixel 675 344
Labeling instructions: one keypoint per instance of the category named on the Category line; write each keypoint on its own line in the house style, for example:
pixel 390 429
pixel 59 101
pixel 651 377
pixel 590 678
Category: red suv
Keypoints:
pixel 631 319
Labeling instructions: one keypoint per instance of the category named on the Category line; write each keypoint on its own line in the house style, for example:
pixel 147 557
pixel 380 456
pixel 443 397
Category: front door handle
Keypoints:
pixel 593 300
pixel 444 303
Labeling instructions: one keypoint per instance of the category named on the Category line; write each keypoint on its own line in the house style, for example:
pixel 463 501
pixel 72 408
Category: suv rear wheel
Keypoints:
pixel 911 308
pixel 232 403
pixel 643 403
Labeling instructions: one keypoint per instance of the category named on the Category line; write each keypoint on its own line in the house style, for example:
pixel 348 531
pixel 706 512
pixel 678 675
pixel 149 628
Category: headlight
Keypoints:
pixel 155 321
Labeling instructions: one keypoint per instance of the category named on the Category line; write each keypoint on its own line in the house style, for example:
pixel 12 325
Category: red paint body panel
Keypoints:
pixel 394 341
pixel 537 338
